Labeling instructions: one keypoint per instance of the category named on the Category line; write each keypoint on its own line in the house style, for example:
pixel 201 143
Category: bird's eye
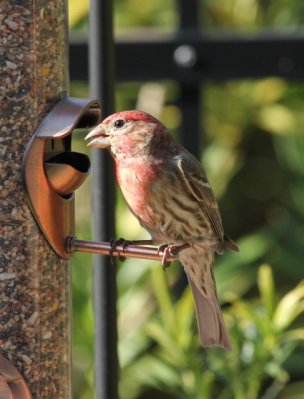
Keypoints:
pixel 119 123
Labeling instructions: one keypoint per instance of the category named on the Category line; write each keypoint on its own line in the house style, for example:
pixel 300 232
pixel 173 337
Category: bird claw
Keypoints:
pixel 114 242
pixel 170 250
pixel 166 249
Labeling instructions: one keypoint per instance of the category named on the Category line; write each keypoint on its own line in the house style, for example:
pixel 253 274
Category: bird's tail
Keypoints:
pixel 230 244
pixel 211 325
pixel 198 264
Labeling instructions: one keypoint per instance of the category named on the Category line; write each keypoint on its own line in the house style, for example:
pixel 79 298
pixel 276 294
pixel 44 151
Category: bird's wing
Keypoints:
pixel 197 184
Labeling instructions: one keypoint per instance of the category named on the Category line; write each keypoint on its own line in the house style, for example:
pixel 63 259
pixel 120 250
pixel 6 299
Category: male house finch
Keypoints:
pixel 167 190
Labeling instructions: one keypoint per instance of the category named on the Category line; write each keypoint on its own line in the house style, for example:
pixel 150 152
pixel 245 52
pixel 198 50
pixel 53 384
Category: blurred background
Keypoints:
pixel 252 148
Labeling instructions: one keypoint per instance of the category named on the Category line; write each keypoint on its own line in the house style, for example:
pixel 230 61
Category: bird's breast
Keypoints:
pixel 135 183
pixel 159 200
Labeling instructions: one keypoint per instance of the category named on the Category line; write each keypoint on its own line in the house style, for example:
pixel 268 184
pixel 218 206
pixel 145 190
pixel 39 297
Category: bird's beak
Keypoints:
pixel 99 136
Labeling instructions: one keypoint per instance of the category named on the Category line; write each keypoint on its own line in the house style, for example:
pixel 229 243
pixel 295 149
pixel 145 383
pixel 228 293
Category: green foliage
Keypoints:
pixel 252 14
pixel 263 333
pixel 253 152
pixel 159 350
pixel 136 13
pixel 128 14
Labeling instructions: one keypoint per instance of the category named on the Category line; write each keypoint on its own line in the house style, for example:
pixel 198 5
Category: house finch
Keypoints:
pixel 167 190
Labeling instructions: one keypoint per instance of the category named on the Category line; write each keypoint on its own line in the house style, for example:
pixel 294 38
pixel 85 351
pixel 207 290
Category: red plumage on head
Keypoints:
pixel 132 115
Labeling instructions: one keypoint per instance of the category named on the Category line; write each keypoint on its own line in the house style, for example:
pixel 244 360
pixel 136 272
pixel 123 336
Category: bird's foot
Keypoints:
pixel 169 251
pixel 115 242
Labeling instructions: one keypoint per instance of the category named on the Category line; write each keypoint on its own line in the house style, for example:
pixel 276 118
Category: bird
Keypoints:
pixel 167 190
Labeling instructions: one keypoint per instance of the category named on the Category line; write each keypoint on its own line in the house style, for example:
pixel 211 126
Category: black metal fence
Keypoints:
pixel 190 56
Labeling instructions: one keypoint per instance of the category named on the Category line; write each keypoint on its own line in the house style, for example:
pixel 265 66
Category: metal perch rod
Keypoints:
pixel 106 248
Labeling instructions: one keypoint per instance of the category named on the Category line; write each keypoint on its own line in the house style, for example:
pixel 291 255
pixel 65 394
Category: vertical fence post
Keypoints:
pixel 190 92
pixel 34 281
pixel 101 50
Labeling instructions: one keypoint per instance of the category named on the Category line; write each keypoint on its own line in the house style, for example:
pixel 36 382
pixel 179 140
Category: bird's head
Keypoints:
pixel 130 133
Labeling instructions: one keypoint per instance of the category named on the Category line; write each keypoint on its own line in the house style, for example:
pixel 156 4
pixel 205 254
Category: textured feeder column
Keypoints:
pixel 34 282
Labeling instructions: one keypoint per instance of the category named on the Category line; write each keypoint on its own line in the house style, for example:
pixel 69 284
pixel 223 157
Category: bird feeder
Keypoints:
pixel 39 175
pixel 52 172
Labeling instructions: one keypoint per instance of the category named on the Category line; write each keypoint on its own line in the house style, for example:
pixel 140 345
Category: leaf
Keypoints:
pixel 151 371
pixel 267 91
pixel 162 293
pixel 207 383
pixel 294 335
pixel 290 306
pixel 267 289
pixel 171 350
pixel 184 315
pixel 292 391
pixel 276 118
